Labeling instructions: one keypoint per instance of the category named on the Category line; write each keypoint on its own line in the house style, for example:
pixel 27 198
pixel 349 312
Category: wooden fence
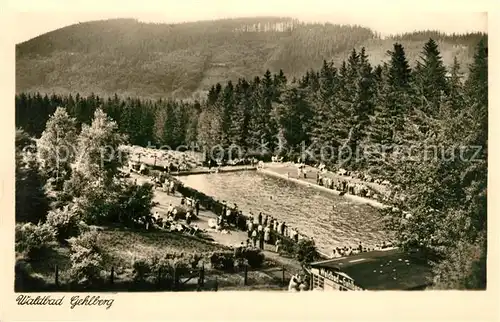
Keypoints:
pixel 197 279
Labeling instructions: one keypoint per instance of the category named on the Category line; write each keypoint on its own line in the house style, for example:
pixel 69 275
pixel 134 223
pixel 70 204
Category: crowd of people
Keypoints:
pixel 261 229
pixel 344 184
pixel 298 283
pixel 349 250
pixel 217 163
pixel 188 210
pixel 172 222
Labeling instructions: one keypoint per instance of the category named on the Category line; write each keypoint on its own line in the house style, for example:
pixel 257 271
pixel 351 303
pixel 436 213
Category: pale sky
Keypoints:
pixel 36 17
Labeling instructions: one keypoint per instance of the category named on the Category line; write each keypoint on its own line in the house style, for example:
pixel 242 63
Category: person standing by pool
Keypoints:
pixel 237 219
pixel 278 245
pixel 267 234
pixel 197 207
pixel 260 218
pixel 228 215
pixel 224 207
pixel 261 240
pixel 283 228
pixel 250 228
pixel 280 227
pixel 333 254
pixel 254 238
pixel 275 228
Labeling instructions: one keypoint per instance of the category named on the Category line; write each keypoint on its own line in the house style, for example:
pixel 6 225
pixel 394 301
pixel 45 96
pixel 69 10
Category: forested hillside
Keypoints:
pixel 406 114
pixel 149 60
pixel 425 128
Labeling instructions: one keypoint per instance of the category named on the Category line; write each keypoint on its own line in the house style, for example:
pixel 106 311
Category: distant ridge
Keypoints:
pixel 153 60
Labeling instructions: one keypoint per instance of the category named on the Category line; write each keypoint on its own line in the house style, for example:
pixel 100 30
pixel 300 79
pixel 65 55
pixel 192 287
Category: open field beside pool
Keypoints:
pixel 164 157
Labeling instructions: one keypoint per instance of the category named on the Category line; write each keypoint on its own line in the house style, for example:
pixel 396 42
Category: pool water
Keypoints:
pixel 332 220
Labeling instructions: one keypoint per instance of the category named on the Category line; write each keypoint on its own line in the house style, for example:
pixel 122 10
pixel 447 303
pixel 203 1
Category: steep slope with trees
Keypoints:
pixel 149 60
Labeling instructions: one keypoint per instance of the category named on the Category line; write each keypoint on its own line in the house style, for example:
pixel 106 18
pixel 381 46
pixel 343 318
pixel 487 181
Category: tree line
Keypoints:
pixel 346 108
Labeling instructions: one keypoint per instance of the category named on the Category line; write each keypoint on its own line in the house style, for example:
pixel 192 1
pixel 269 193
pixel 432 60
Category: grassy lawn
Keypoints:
pixel 122 246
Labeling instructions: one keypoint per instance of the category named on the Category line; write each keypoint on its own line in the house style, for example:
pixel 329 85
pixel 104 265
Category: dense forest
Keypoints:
pixel 391 114
pixel 149 60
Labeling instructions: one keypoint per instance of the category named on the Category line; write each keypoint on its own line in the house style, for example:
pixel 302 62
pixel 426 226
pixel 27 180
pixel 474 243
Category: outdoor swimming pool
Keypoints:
pixel 332 220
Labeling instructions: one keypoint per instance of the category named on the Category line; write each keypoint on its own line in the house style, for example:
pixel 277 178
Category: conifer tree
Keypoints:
pixel 399 89
pixel 146 126
pixel 260 115
pixel 159 123
pixel 210 128
pixel 399 69
pixel 32 203
pixel 352 75
pixel 325 126
pixel 455 95
pixel 430 78
pixel 361 108
pixel 295 120
pixel 381 125
pixel 227 105
pixel 280 80
pixel 169 127
pixel 477 82
pixel 241 117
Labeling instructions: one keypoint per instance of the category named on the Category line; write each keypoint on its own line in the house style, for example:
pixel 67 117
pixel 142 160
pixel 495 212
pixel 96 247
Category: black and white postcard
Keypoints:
pixel 247 160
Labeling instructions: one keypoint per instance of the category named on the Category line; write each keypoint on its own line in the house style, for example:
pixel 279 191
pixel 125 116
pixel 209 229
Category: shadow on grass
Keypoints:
pixel 31 284
pixel 122 235
pixel 45 263
pixel 123 245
